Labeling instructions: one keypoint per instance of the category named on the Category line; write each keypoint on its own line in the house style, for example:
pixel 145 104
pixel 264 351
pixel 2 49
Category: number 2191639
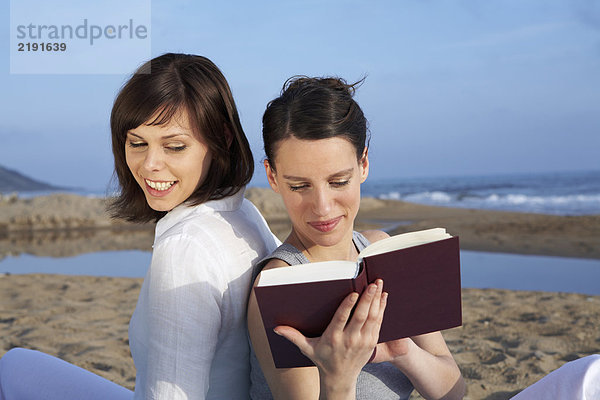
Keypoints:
pixel 49 47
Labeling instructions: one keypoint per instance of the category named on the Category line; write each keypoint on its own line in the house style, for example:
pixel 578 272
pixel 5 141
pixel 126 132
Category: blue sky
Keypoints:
pixel 453 87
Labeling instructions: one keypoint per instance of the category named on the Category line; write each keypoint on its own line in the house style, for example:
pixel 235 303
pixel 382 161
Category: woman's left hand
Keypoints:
pixel 388 351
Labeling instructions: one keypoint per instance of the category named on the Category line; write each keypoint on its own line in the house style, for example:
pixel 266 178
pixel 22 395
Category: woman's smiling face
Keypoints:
pixel 167 161
pixel 319 181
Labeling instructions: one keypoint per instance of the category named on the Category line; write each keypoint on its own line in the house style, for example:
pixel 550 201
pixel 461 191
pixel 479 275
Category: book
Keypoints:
pixel 420 271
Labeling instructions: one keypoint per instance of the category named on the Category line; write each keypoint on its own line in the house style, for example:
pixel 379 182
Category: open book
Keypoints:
pixel 420 271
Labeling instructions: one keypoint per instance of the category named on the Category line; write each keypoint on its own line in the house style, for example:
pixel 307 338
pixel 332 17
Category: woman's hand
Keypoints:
pixel 388 351
pixel 345 347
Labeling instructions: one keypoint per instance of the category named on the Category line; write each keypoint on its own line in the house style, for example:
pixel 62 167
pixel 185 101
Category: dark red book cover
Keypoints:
pixel 308 307
pixel 423 283
pixel 424 289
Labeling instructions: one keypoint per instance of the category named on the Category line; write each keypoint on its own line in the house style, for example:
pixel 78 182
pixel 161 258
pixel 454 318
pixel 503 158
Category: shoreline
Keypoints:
pixel 479 230
pixel 67 224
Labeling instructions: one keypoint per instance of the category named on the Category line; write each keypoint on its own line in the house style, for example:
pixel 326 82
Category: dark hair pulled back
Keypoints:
pixel 313 109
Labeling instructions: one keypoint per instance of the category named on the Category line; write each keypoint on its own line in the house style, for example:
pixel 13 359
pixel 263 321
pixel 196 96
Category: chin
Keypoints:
pixel 161 209
pixel 328 239
pixel 159 206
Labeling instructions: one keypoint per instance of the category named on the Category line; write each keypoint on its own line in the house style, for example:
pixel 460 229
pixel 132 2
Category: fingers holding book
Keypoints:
pixel 368 315
pixel 349 340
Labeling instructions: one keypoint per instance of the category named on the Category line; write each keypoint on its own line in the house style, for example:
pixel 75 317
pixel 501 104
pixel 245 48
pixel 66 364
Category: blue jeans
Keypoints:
pixel 32 375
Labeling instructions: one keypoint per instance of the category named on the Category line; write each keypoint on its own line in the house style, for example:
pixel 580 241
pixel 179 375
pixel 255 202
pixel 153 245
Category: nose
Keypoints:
pixel 153 160
pixel 322 202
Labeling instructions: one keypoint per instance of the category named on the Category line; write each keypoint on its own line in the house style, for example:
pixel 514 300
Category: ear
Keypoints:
pixel 271 176
pixel 228 134
pixel 364 165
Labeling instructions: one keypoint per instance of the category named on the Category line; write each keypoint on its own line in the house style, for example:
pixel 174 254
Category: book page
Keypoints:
pixel 403 241
pixel 314 272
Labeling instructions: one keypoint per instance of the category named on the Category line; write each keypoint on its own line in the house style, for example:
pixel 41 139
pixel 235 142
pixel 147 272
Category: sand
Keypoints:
pixel 509 339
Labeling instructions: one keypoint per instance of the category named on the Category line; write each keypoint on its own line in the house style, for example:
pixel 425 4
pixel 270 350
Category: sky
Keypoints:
pixel 452 87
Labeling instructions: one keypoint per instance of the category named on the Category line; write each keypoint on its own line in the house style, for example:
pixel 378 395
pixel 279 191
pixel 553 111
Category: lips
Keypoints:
pixel 159 188
pixel 325 226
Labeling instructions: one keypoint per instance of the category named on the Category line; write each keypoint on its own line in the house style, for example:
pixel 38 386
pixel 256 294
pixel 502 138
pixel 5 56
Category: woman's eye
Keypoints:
pixel 295 188
pixel 339 183
pixel 136 145
pixel 177 148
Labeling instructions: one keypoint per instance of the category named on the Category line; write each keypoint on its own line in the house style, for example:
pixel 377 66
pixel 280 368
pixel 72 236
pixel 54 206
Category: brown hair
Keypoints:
pixel 312 109
pixel 161 88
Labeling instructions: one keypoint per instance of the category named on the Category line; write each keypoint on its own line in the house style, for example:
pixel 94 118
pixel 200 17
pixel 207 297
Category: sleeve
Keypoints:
pixel 182 321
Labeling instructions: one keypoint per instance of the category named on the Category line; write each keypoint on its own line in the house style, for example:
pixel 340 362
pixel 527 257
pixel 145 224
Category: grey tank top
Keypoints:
pixel 375 381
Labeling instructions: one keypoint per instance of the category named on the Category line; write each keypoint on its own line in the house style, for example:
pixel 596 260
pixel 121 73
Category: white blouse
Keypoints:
pixel 188 332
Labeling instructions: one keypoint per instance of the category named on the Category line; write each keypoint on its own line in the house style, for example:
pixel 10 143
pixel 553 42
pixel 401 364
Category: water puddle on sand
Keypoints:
pixel 478 269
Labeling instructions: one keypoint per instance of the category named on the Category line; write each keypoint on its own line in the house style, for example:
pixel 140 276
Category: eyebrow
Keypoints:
pixel 162 137
pixel 339 174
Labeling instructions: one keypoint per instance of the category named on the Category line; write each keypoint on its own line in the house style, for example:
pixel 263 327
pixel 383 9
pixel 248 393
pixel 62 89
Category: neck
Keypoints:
pixel 343 250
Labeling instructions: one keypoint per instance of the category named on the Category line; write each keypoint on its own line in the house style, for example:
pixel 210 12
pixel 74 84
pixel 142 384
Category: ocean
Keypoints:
pixel 560 193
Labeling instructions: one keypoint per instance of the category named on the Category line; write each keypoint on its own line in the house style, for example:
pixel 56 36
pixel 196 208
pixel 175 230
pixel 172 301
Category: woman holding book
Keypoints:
pixel 315 138
pixel 182 159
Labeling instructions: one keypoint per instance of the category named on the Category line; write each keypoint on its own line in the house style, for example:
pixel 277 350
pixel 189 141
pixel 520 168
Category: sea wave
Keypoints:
pixel 435 196
pixel 574 204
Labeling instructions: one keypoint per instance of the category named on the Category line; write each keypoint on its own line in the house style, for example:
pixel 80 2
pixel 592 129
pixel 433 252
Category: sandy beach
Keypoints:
pixel 509 339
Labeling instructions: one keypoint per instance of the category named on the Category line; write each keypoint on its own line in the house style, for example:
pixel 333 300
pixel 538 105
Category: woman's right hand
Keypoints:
pixel 345 347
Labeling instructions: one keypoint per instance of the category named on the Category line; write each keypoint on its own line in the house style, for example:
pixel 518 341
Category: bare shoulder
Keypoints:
pixel 273 263
pixel 375 235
